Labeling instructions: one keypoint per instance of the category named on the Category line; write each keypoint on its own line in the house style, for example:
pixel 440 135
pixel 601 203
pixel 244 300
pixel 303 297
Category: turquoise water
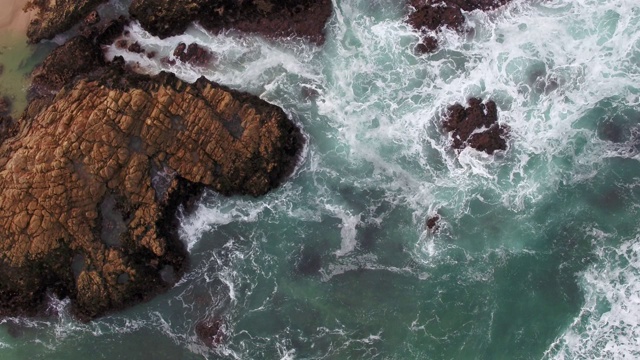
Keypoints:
pixel 538 252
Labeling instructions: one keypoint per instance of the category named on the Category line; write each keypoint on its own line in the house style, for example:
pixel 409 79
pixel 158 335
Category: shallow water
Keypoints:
pixel 18 60
pixel 538 251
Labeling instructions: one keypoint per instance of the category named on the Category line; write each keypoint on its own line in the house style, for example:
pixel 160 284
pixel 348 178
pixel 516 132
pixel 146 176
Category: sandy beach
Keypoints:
pixel 12 17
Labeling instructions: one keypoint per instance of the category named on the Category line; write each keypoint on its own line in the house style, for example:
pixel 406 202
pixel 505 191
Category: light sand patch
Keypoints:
pixel 12 18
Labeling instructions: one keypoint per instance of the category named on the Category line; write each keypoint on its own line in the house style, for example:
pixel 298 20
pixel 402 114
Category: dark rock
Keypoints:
pixel 284 18
pixel 151 54
pixel 78 56
pixel 122 44
pixel 54 17
pixel 79 216
pixel 92 19
pixel 476 126
pixel 193 54
pixel 8 126
pixel 609 130
pixel 107 33
pixel 432 15
pixel 136 48
pixel 5 105
pixel 310 262
pixel 166 61
pixel 180 49
pixel 368 236
pixel 309 93
pixel 432 223
pixel 210 332
pixel 428 44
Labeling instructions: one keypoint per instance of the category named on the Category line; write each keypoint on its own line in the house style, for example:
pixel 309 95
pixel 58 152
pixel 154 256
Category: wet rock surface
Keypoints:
pixel 432 223
pixel 476 126
pixel 302 18
pixel 79 56
pixel 193 54
pixel 80 216
pixel 434 14
pixel 54 17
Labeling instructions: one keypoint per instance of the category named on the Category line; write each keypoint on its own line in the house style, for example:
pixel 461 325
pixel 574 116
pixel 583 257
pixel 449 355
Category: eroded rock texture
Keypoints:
pixel 92 179
pixel 7 125
pixel 57 16
pixel 434 14
pixel 476 126
pixel 302 18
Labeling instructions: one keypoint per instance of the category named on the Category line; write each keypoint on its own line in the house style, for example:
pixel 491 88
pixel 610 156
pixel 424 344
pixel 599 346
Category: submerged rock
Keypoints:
pixel 310 262
pixel 80 216
pixel 210 332
pixel 476 126
pixel 432 15
pixel 54 17
pixel 284 18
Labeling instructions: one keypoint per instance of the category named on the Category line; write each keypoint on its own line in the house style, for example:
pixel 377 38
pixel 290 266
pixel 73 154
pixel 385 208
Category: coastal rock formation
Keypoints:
pixel 97 168
pixel 57 16
pixel 284 18
pixel 476 126
pixel 193 54
pixel 434 14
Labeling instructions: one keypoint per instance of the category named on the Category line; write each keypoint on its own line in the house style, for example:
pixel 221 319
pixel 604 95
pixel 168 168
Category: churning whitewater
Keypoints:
pixel 537 254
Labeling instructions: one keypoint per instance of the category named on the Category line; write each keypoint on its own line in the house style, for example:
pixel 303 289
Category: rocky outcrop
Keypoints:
pixel 284 18
pixel 79 56
pixel 476 126
pixel 432 223
pixel 193 54
pixel 434 14
pixel 57 16
pixel 93 176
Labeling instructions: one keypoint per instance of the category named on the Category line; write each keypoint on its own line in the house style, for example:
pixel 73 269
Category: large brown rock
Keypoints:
pixel 283 18
pixel 56 16
pixel 93 176
pixel 476 126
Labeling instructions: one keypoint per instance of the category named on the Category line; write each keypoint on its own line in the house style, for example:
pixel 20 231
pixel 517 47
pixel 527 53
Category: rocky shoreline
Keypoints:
pixel 97 166
pixel 275 19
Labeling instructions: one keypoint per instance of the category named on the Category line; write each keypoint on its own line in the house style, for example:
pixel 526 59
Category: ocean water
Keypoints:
pixel 538 251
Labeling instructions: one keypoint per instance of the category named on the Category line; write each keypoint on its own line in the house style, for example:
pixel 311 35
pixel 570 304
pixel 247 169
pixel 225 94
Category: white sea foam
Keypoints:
pixel 608 326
